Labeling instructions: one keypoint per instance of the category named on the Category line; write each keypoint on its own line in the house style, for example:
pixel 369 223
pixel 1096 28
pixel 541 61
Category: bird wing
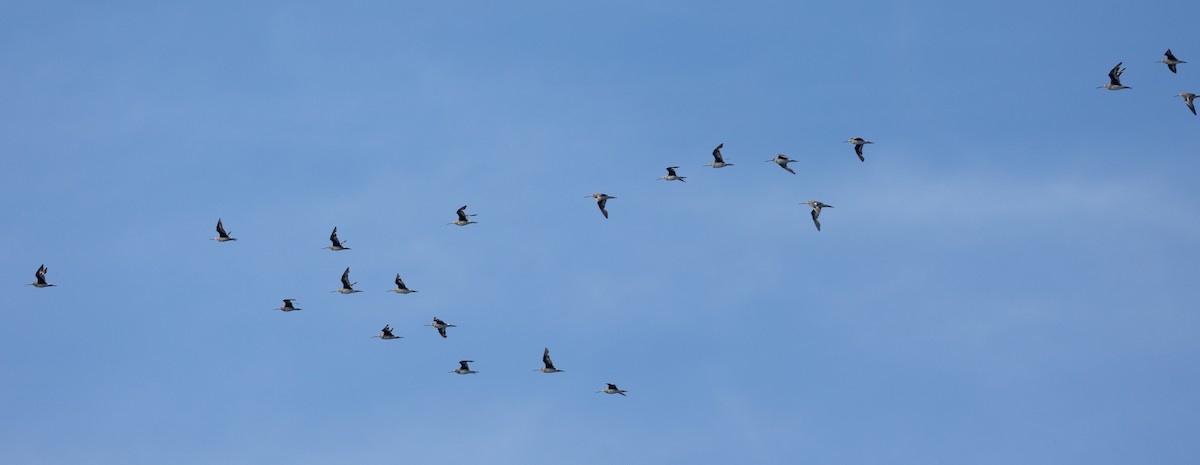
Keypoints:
pixel 717 153
pixel 546 359
pixel 1170 56
pixel 671 171
pixel 1114 76
pixel 815 213
pixel 858 148
pixel 462 213
pixel 346 278
pixel 221 228
pixel 442 330
pixel 399 282
pixel 1171 66
pixel 334 239
pixel 1191 103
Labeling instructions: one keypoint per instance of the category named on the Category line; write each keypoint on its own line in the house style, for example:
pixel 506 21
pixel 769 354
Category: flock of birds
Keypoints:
pixel 1114 79
pixel 464 219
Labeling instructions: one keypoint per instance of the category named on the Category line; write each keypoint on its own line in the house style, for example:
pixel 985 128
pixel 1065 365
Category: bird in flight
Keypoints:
pixel 440 326
pixel 1190 100
pixel 671 176
pixel 549 368
pixel 288 307
pixel 41 277
pixel 612 389
pixel 718 160
pixel 462 217
pixel 816 211
pixel 782 160
pixel 463 369
pixel 1171 61
pixel 386 333
pixel 335 243
pixel 1114 79
pixel 347 287
pixel 400 287
pixel 601 201
pixel 222 236
pixel 858 146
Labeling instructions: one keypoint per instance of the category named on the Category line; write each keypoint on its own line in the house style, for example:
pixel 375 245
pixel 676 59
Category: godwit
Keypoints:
pixel 336 244
pixel 549 365
pixel 1190 99
pixel 601 201
pixel 41 277
pixel 222 236
pixel 1170 60
pixel 387 333
pixel 462 217
pixel 440 326
pixel 347 287
pixel 858 146
pixel 718 161
pixel 400 287
pixel 288 307
pixel 671 176
pixel 816 211
pixel 782 160
pixel 612 389
pixel 1114 78
pixel 463 369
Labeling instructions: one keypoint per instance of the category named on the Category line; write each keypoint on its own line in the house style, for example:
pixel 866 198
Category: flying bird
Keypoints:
pixel 463 369
pixel 601 201
pixel 1189 99
pixel 612 389
pixel 222 236
pixel 782 160
pixel 400 287
pixel 336 244
pixel 386 333
pixel 347 287
pixel 288 307
pixel 462 217
pixel 858 146
pixel 1114 79
pixel 1170 60
pixel 440 326
pixel 718 160
pixel 816 211
pixel 41 277
pixel 671 176
pixel 546 361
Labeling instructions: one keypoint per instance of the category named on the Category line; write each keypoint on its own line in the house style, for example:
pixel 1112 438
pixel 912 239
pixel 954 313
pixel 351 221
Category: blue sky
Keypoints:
pixel 1009 277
